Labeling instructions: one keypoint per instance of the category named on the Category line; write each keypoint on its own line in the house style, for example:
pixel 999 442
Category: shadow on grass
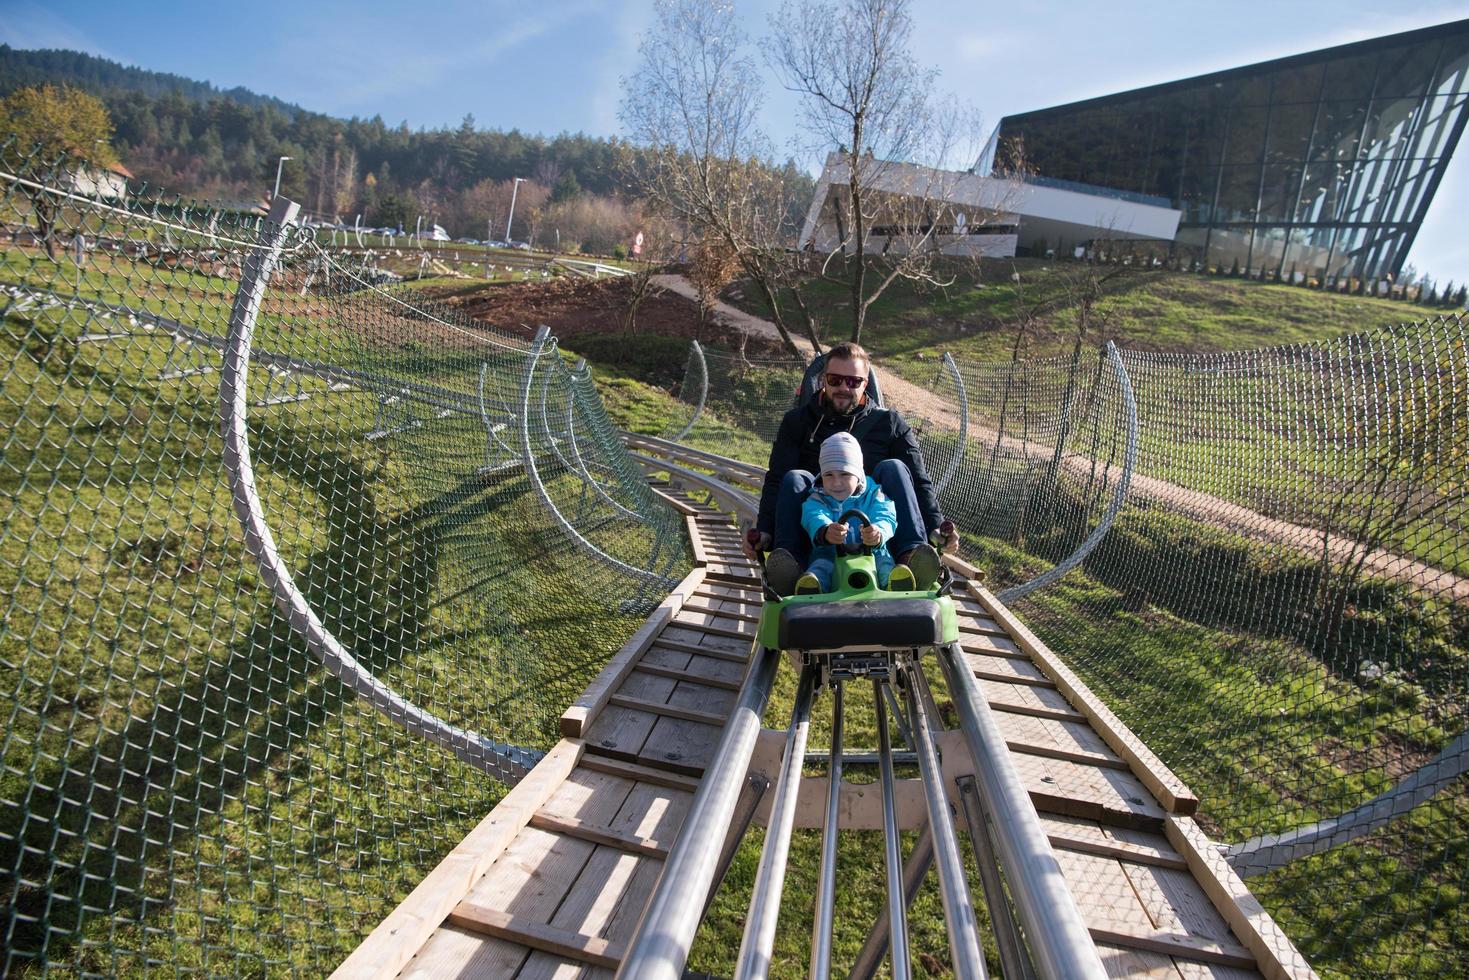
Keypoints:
pixel 98 823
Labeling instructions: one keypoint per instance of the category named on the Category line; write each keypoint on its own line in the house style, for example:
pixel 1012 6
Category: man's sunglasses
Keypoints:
pixel 850 380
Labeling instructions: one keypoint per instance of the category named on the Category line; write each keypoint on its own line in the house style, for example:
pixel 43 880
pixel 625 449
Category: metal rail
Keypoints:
pixel 826 889
pixel 660 947
pixel 759 938
pixel 959 918
pixel 892 845
pixel 1047 910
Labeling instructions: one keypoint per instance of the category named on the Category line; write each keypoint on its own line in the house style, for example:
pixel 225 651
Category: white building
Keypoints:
pixel 108 183
pixel 974 215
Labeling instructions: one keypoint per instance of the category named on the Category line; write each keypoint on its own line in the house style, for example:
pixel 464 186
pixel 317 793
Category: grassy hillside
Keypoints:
pixel 1147 309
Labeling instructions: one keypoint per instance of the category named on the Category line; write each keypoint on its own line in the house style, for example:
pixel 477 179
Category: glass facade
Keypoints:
pixel 1318 165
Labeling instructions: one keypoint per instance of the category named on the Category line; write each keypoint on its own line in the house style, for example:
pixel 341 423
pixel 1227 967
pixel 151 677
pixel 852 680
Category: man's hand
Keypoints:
pixel 871 536
pixel 755 541
pixel 946 538
pixel 834 533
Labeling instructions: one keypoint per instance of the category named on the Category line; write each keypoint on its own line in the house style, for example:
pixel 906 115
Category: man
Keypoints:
pixel 890 454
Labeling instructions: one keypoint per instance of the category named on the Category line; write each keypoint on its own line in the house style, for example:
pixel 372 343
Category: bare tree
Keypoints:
pixel 691 107
pixel 863 92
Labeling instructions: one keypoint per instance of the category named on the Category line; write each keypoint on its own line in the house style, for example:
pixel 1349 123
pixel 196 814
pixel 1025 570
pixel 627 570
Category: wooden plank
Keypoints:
pixel 1109 796
pixel 1103 893
pixel 577 718
pixel 1035 712
pixel 1051 752
pixel 743 600
pixel 455 952
pixel 696 541
pixel 1137 964
pixel 1007 670
pixel 581 830
pixel 614 886
pixel 1167 787
pixel 620 730
pixel 713 624
pixel 643 774
pixel 680 674
pixel 536 935
pixel 664 643
pixel 744 617
pixel 988 639
pixel 668 710
pixel 674 501
pixel 1177 944
pixel 1275 955
pixel 699 668
pixel 1024 699
pixel 728 573
pixel 534 875
pixel 399 936
pixel 1074 739
pixel 1119 850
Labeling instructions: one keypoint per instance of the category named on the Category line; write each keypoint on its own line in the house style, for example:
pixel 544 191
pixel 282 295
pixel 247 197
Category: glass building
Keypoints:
pixel 1320 164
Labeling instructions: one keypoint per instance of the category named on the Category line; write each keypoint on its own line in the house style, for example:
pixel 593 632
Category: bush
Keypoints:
pixel 619 251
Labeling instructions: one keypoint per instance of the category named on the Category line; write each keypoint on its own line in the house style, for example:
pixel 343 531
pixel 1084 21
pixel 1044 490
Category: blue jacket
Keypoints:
pixel 819 510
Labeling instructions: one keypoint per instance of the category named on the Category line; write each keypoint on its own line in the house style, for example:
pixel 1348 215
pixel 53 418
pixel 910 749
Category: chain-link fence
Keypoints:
pixel 1273 592
pixel 221 765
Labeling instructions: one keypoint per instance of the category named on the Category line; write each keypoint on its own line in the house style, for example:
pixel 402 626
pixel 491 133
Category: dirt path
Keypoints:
pixel 917 401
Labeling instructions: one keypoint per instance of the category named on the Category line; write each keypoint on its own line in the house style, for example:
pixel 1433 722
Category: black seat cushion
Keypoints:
pixel 860 622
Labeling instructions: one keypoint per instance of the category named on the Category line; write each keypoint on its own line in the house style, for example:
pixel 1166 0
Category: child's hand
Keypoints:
pixel 871 536
pixel 835 533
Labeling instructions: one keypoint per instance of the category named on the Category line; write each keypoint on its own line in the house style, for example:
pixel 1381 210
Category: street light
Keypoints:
pixel 279 164
pixel 510 220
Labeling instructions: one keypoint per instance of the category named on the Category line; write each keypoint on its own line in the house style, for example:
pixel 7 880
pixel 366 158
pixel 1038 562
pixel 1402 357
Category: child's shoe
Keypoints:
pixel 901 580
pixel 808 584
pixel 926 565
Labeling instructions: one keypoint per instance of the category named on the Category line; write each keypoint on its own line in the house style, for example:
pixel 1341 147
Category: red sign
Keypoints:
pixel 637 244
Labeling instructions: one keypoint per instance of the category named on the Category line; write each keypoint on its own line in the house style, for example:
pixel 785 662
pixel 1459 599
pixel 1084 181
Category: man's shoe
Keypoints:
pixel 926 565
pixel 901 579
pixel 781 571
pixel 808 584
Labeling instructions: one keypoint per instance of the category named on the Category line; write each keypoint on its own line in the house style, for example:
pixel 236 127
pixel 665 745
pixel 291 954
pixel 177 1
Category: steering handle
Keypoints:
pixel 847 547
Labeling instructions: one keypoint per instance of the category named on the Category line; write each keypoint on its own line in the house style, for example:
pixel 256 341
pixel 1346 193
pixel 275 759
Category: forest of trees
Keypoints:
pixel 193 139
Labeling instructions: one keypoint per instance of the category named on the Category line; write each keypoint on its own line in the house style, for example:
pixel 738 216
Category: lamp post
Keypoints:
pixel 279 164
pixel 515 187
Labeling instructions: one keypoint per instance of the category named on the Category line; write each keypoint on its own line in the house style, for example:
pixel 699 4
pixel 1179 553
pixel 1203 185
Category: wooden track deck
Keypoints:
pixel 553 881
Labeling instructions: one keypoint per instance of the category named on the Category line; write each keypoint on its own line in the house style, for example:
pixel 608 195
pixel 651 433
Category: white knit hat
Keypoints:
pixel 842 453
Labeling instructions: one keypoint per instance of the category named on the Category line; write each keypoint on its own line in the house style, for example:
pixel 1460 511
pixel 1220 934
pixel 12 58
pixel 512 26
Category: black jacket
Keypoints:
pixel 881 432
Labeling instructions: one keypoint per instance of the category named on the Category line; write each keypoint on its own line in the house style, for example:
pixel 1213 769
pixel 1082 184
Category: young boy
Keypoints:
pixel 844 487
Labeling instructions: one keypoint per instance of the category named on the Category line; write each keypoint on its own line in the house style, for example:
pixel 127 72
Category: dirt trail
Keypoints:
pixel 916 401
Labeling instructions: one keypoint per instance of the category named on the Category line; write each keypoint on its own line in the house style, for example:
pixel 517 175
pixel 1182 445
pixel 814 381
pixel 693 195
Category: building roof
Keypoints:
pixel 1417 36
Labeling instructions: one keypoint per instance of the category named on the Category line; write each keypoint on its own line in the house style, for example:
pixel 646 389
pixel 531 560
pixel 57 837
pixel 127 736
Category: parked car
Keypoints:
pixel 523 246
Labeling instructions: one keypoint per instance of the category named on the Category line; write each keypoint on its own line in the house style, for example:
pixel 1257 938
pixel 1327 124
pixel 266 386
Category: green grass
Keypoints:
pixel 1143 309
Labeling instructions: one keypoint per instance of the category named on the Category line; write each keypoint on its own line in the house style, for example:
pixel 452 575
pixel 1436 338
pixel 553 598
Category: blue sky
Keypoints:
pixel 555 66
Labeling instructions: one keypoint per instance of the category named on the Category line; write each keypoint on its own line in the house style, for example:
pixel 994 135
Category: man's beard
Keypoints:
pixel 835 409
